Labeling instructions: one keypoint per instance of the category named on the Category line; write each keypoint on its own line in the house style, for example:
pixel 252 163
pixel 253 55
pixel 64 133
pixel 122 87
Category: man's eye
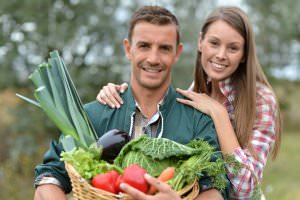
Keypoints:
pixel 166 48
pixel 143 46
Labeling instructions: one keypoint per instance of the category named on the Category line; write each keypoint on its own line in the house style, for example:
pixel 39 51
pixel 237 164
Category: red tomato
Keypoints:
pixel 117 183
pixel 114 174
pixel 134 176
pixel 106 181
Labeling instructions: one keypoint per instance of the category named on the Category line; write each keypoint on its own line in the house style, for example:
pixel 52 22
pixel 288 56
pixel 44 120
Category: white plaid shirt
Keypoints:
pixel 263 139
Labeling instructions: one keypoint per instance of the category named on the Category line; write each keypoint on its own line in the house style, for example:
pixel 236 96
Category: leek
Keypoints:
pixel 56 94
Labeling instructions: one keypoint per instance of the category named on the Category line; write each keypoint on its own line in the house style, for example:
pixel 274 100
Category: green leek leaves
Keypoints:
pixel 57 96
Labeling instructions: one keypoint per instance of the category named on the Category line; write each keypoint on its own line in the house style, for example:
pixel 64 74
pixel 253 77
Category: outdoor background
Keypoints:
pixel 89 33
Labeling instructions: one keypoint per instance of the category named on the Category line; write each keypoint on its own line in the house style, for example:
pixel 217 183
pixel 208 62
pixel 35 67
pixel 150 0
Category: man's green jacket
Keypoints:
pixel 180 123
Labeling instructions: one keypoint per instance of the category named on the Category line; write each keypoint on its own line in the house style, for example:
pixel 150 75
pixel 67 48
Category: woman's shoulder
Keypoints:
pixel 265 95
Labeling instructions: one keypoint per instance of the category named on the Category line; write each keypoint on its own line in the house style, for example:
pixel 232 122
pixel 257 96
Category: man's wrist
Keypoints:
pixel 49 192
pixel 46 179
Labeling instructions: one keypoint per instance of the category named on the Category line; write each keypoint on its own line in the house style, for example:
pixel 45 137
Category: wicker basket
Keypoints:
pixel 82 190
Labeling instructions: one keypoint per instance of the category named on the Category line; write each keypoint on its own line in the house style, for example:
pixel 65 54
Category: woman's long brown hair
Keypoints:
pixel 244 79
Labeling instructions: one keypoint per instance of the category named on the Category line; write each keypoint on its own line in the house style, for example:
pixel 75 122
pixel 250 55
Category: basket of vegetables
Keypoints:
pixel 86 157
pixel 82 190
pixel 179 165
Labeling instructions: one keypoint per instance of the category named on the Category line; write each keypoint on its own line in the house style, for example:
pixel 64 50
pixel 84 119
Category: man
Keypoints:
pixel 150 107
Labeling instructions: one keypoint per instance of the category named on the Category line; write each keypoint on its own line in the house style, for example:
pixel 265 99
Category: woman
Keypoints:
pixel 230 86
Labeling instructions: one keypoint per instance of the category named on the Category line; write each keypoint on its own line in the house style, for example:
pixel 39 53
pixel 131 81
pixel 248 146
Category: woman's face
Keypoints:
pixel 222 50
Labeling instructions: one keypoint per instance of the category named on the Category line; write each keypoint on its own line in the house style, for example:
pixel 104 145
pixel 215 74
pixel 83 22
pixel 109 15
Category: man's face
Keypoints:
pixel 152 52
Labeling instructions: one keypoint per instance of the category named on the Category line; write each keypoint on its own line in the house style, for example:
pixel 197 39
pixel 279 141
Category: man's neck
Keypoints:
pixel 148 99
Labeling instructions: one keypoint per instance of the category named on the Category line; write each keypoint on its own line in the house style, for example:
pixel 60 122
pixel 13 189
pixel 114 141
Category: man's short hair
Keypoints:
pixel 156 15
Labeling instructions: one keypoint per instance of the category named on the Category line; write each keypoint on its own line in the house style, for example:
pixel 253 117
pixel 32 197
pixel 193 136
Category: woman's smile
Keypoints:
pixel 218 66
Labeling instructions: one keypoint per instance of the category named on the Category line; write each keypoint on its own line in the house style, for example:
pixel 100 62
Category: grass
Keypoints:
pixel 282 177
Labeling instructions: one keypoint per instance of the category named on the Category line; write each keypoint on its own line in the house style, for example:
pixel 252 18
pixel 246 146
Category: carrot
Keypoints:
pixel 164 176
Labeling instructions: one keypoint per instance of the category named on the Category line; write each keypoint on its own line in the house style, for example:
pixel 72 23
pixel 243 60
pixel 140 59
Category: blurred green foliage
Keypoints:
pixel 89 36
pixel 278 33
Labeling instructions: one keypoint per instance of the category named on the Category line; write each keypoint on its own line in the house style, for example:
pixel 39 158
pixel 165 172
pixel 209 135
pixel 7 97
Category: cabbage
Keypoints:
pixel 191 161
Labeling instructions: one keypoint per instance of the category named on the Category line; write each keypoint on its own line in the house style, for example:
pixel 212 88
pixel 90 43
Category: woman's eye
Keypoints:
pixel 213 43
pixel 233 49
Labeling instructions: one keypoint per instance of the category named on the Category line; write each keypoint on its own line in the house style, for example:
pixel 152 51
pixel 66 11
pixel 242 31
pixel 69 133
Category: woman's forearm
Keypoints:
pixel 226 135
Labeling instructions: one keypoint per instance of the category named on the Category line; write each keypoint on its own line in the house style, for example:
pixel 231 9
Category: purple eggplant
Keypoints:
pixel 112 143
